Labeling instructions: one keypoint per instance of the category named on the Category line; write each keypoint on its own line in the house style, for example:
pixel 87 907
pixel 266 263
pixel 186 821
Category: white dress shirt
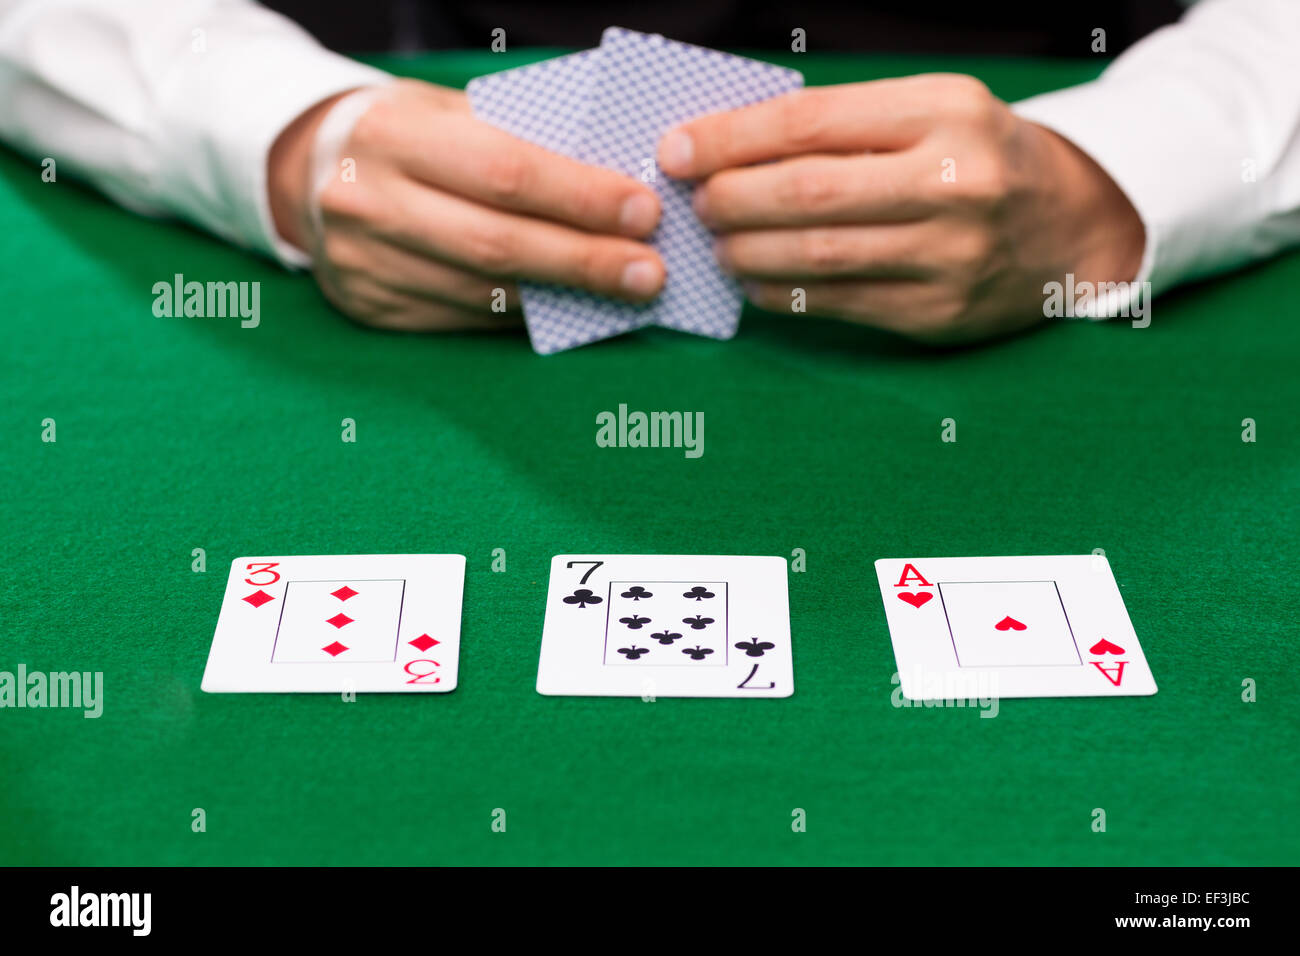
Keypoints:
pixel 1199 125
pixel 171 107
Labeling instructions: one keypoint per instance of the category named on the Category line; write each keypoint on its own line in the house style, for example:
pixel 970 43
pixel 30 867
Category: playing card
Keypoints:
pixel 544 103
pixel 642 86
pixel 610 108
pixel 372 622
pixel 666 626
pixel 547 103
pixel 1051 626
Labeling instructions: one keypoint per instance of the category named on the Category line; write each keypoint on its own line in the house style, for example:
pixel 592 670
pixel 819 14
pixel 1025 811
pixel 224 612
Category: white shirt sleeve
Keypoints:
pixel 169 106
pixel 1199 125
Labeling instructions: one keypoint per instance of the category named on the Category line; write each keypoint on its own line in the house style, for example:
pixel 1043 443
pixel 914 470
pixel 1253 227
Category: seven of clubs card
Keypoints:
pixel 666 626
pixel 1011 627
pixel 333 623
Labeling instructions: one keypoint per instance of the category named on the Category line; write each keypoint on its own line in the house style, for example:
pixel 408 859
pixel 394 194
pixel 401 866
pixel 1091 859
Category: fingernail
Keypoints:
pixel 700 203
pixel 676 153
pixel 640 278
pixel 638 215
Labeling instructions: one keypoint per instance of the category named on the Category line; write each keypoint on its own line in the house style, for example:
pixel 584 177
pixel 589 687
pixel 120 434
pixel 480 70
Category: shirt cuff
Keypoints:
pixel 227 105
pixel 1159 140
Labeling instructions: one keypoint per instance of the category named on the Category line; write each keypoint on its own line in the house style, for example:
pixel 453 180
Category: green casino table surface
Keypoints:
pixel 183 433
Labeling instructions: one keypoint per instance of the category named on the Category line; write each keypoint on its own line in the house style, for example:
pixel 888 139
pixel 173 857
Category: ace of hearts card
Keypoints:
pixel 337 623
pixel 1046 626
pixel 649 626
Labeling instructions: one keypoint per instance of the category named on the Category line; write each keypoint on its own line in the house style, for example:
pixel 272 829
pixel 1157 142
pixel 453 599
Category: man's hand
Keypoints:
pixel 446 208
pixel 857 211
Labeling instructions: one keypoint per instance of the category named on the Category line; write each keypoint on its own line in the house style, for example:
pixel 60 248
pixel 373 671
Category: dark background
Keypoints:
pixel 920 26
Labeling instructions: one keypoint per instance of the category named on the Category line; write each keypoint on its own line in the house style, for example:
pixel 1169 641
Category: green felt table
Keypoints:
pixel 183 433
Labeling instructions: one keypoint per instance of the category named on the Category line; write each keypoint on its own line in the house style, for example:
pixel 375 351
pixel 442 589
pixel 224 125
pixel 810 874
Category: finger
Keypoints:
pixel 825 251
pixel 904 306
pixel 428 95
pixel 816 190
pixel 419 275
pixel 498 243
pixel 466 156
pixel 878 115
pixel 379 306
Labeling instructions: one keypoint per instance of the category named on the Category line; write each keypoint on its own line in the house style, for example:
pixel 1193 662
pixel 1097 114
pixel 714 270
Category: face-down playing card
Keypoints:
pixel 547 103
pixel 666 626
pixel 642 85
pixel 333 623
pixel 544 103
pixel 610 107
pixel 1050 626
